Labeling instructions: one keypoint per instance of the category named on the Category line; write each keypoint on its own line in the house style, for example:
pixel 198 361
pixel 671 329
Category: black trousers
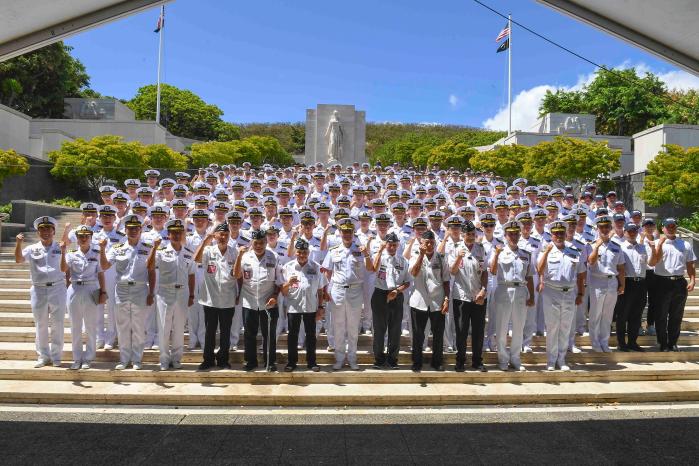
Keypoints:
pixel 630 311
pixel 309 324
pixel 419 319
pixel 467 315
pixel 386 317
pixel 217 318
pixel 254 319
pixel 652 287
pixel 672 295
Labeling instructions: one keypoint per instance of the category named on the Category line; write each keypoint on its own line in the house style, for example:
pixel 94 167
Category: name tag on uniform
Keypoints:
pixel 142 252
pixel 92 259
pixel 356 253
pixel 211 268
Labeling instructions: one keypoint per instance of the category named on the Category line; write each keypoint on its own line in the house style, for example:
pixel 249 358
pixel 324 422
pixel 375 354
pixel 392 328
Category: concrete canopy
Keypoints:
pixel 666 28
pixel 29 25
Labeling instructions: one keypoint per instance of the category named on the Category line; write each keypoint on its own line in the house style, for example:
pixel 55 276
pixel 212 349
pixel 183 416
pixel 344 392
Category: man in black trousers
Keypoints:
pixel 392 279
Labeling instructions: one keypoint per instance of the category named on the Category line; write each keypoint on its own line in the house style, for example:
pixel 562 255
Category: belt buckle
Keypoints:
pixel 130 283
pixel 49 284
pixel 565 289
pixel 178 287
pixel 78 282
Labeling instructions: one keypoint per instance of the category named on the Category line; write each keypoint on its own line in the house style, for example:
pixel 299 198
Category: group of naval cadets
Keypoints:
pixel 344 251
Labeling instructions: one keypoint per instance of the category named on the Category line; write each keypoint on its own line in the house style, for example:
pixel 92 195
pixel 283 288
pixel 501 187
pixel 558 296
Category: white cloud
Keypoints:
pixel 525 105
pixel 453 100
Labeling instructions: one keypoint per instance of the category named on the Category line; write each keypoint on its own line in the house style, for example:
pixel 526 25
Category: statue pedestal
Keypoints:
pixel 353 124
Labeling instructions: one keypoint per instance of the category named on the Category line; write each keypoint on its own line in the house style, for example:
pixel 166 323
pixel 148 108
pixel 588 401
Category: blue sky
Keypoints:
pixel 402 61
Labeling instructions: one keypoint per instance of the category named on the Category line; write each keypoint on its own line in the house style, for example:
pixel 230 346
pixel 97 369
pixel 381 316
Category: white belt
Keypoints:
pixel 351 285
pixel 564 288
pixel 130 283
pixel 603 275
pixel 171 286
pixel 512 284
pixel 83 282
pixel 47 284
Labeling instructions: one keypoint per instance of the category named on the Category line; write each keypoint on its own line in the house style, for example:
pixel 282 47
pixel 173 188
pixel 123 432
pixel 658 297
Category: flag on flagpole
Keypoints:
pixel 161 21
pixel 504 46
pixel 504 33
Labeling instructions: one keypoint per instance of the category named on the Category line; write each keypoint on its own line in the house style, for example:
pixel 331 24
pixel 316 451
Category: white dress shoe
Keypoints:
pixel 40 363
pixel 120 367
pixel 565 368
pixel 137 366
pixel 85 366
pixel 75 366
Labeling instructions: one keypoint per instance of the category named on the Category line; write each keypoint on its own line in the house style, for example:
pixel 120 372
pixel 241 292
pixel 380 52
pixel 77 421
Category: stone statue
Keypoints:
pixel 335 136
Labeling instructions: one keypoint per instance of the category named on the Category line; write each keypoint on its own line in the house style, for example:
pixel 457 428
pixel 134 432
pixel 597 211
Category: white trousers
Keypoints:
pixel 106 328
pixel 603 295
pixel 580 319
pixel 345 324
pixel 131 328
pixel 83 313
pixel 237 324
pixel 530 326
pixel 171 319
pixel 366 322
pixel 491 313
pixel 195 324
pixel 510 305
pixel 559 309
pixel 49 310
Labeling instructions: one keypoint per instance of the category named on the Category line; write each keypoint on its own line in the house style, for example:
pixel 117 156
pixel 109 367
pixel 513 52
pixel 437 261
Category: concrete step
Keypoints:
pixel 27 351
pixel 330 394
pixel 16 284
pixel 104 372
pixel 14 272
pixel 27 334
pixel 11 264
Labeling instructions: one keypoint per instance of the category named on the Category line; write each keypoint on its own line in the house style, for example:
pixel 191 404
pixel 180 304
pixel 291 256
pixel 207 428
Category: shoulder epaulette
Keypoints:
pixel 120 233
pixel 119 245
pixel 72 250
pixel 96 250
pixel 536 240
pixel 148 245
pixel 187 249
pixel 333 247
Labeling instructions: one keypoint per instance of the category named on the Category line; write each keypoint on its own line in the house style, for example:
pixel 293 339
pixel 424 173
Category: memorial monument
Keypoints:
pixel 335 134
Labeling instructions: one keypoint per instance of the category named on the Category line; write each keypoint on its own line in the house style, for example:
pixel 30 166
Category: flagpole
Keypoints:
pixel 509 76
pixel 160 54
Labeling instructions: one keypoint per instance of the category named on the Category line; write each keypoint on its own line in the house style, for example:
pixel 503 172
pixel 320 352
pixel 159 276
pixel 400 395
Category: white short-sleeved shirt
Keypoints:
pixel 467 280
pixel 675 255
pixel 218 287
pixel 635 259
pixel 393 271
pixel 84 266
pixel 428 285
pixel 563 266
pixel 260 277
pixel 303 296
pixel 514 266
pixel 113 237
pixel 346 263
pixel 174 268
pixel 44 263
pixel 129 263
pixel 609 256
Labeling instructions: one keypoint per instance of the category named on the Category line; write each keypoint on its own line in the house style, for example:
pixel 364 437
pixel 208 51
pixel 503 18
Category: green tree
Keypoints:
pixel 222 153
pixel 673 176
pixel 684 108
pixel 570 161
pixel 227 131
pixel 506 161
pixel 12 164
pixel 182 112
pixel 161 156
pixel 451 154
pixel 91 163
pixel 271 151
pixel 623 102
pixel 37 82
pixel 290 135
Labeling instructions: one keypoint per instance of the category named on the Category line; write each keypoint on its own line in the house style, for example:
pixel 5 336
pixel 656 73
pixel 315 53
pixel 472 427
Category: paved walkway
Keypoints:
pixel 533 435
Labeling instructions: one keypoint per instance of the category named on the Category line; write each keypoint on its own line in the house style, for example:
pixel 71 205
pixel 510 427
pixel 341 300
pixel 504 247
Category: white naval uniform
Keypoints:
pixel 348 267
pixel 532 245
pixel 107 330
pixel 489 337
pixel 509 302
pixel 560 277
pixel 48 299
pixel 195 313
pixel 237 323
pixel 603 285
pixel 82 308
pixel 152 320
pixel 131 290
pixel 174 269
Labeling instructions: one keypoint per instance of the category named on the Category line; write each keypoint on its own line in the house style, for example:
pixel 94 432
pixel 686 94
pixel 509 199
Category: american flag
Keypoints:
pixel 504 33
pixel 161 20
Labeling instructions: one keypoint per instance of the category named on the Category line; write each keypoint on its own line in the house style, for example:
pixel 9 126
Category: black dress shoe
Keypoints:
pixel 623 348
pixel 205 366
pixel 439 368
pixel 480 368
pixel 223 365
pixel 460 368
pixel 272 368
pixel 416 368
pixel 636 348
pixel 289 368
pixel 675 348
pixel 314 368
pixel 663 349
pixel 249 367
pixel 378 366
pixel 393 365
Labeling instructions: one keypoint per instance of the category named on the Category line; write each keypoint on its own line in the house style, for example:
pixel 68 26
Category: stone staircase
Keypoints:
pixel 595 378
